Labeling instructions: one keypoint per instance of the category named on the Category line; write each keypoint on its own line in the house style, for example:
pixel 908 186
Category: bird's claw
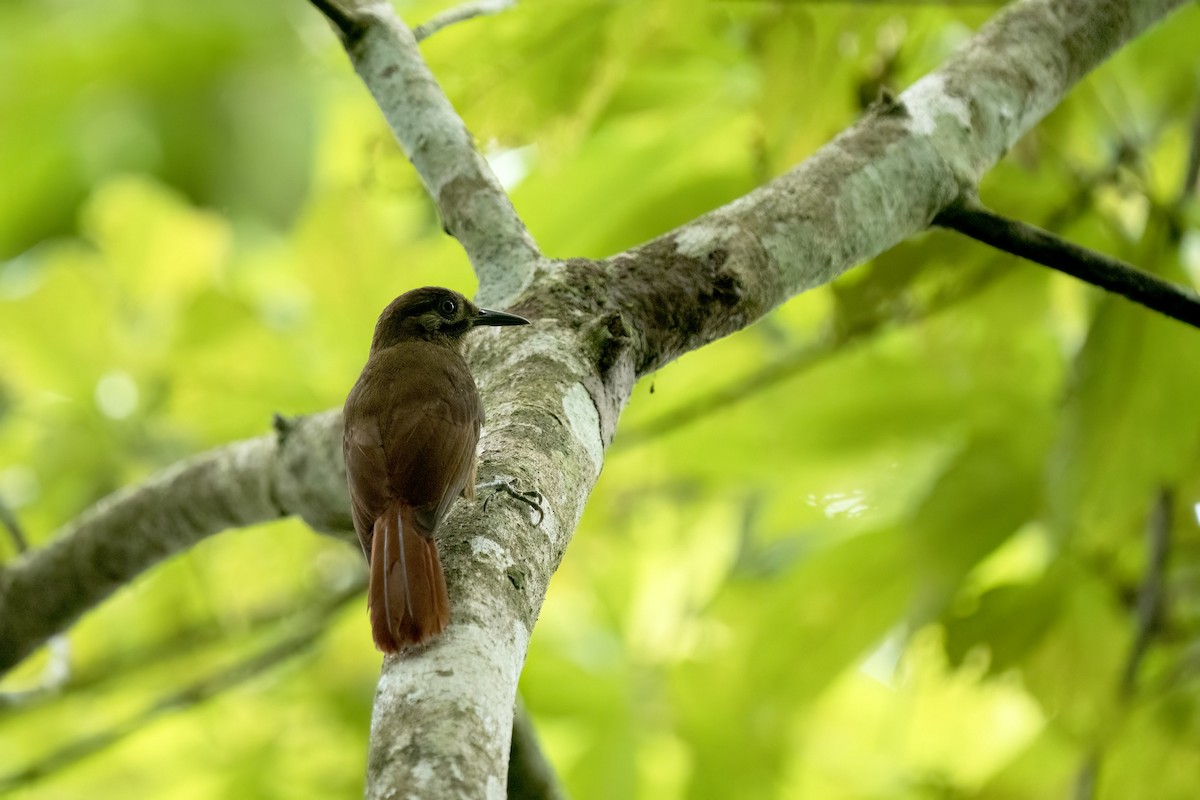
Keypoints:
pixel 531 498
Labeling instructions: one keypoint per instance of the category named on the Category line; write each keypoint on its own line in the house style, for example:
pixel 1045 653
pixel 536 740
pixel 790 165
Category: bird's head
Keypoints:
pixel 434 314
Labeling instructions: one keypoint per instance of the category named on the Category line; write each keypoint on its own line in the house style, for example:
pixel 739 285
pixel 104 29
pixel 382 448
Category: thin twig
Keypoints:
pixel 192 695
pixel 1043 247
pixel 1191 176
pixel 808 355
pixel 461 13
pixel 799 360
pixel 1085 779
pixel 13 526
pixel 1146 624
pixel 814 353
pixel 888 3
pixel 180 643
pixel 1150 593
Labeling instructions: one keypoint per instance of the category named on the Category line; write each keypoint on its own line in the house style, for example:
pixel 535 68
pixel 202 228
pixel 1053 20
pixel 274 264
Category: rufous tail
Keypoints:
pixel 407 599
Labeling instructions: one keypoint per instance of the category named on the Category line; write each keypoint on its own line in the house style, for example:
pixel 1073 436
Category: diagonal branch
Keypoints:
pixel 462 13
pixel 876 184
pixel 124 666
pixel 57 670
pixel 9 520
pixel 829 344
pixel 811 354
pixel 474 207
pixel 348 26
pixel 1042 247
pixel 297 643
pixel 298 471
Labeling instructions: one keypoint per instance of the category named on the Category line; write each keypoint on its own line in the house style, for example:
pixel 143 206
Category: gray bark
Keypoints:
pixel 554 391
pixel 297 471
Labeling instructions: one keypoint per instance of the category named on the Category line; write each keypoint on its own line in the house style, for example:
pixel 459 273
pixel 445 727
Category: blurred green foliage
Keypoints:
pixel 905 567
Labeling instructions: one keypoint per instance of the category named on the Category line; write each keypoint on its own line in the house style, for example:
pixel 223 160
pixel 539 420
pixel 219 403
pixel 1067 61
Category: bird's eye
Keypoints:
pixel 448 307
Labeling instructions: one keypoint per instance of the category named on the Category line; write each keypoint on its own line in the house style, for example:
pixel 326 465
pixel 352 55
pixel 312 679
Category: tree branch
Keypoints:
pixel 194 694
pixel 13 525
pixel 530 776
pixel 1149 613
pixel 816 352
pixel 346 23
pixel 1151 592
pixel 474 207
pixel 1191 175
pixel 830 343
pixel 182 642
pixel 881 181
pixel 1042 247
pixel 462 13
pixel 298 472
pixel 57 670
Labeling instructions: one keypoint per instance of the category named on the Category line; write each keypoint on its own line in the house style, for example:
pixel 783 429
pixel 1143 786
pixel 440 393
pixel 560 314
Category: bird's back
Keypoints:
pixel 411 428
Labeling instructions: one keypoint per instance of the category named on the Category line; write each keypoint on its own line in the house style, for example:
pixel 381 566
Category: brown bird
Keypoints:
pixel 411 427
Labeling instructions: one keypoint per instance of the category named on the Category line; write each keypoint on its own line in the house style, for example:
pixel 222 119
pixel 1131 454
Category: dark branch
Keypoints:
pixel 347 24
pixel 13 525
pixel 1043 247
pixel 181 643
pixel 1191 176
pixel 1150 593
pixel 57 670
pixel 1146 624
pixel 300 641
pixel 185 698
pixel 530 776
pixel 1085 779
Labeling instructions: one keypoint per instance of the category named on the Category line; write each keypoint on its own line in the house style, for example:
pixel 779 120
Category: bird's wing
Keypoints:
pixel 366 468
pixel 455 454
pixel 430 437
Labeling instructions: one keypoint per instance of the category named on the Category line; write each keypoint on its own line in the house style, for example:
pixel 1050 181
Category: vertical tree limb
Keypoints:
pixel 530 776
pixel 474 207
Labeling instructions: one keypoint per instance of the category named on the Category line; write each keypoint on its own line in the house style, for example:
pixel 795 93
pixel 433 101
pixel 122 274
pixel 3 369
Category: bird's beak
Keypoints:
pixel 488 317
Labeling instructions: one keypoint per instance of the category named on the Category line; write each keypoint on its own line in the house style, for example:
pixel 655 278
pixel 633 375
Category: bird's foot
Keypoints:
pixel 531 498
